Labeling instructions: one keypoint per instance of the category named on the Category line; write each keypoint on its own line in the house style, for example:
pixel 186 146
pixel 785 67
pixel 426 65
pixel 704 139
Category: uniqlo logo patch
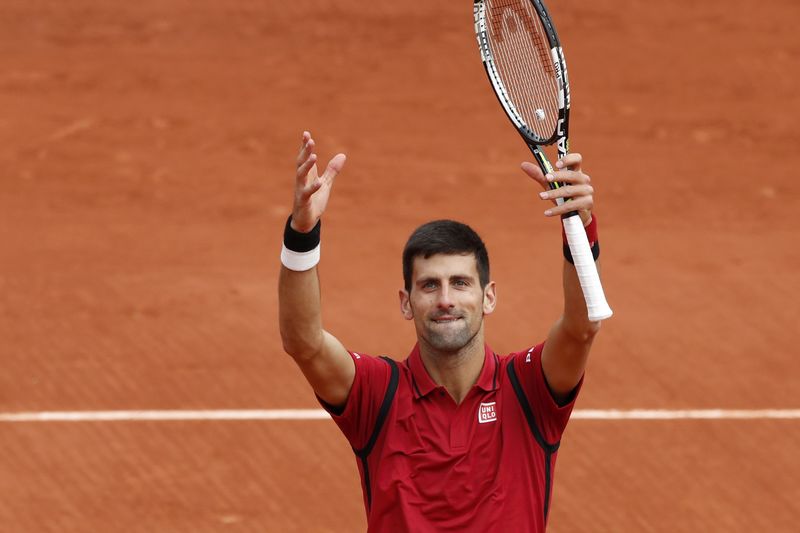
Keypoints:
pixel 487 413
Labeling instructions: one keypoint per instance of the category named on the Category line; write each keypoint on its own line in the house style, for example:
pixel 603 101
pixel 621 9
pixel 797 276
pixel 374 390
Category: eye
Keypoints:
pixel 430 284
pixel 461 283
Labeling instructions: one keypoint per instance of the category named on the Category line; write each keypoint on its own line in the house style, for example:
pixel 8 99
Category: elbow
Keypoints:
pixel 585 332
pixel 300 349
pixel 290 347
pixel 590 331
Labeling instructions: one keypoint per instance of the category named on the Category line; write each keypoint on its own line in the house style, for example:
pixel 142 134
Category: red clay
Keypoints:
pixel 146 158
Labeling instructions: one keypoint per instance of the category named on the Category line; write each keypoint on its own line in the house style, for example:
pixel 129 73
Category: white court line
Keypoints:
pixel 686 414
pixel 319 414
pixel 166 416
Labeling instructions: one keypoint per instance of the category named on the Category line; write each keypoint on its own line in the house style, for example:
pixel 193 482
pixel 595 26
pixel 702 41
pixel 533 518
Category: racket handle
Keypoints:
pixel 596 303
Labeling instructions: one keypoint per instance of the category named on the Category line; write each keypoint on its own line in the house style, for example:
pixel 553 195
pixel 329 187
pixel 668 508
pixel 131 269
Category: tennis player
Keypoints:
pixel 455 437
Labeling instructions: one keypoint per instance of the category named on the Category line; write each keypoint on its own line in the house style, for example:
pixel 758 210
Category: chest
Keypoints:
pixel 434 435
pixel 446 459
pixel 446 427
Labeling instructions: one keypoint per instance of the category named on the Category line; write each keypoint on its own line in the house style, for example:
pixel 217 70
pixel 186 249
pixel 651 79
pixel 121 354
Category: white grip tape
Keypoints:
pixel 300 261
pixel 587 270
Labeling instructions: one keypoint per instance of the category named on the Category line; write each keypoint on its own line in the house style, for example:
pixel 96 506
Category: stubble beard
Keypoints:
pixel 451 340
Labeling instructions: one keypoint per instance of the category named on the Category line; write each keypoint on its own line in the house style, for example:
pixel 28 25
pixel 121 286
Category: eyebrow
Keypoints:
pixel 454 277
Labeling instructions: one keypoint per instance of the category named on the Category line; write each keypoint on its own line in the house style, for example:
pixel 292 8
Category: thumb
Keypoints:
pixel 535 173
pixel 335 166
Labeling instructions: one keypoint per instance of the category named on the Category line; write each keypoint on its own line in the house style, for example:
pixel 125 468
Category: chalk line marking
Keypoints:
pixel 686 414
pixel 319 414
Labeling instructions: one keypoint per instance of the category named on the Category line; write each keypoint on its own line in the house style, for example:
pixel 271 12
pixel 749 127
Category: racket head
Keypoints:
pixel 525 64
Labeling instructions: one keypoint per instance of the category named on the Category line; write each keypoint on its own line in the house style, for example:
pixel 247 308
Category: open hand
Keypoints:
pixel 312 191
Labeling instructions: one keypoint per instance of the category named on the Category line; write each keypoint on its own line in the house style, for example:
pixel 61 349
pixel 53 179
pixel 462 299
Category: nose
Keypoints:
pixel 444 301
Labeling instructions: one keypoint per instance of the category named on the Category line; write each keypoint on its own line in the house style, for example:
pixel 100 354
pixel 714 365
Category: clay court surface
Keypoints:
pixel 146 163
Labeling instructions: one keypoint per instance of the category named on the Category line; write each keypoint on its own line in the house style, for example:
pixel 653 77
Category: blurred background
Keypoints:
pixel 146 164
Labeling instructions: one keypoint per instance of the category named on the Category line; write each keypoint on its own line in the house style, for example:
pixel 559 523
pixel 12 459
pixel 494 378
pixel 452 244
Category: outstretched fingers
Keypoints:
pixel 306 148
pixel 316 182
pixel 306 136
pixel 305 166
pixel 312 190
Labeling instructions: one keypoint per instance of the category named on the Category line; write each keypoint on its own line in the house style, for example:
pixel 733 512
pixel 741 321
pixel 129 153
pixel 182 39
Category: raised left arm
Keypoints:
pixel 567 348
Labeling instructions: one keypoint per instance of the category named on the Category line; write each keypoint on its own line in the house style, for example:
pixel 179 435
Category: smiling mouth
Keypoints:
pixel 446 319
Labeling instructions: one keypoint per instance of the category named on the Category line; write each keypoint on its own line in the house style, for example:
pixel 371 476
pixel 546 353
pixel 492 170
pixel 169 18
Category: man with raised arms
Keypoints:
pixel 455 437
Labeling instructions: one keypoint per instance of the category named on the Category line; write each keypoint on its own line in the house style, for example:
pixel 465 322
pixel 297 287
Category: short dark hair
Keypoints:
pixel 445 237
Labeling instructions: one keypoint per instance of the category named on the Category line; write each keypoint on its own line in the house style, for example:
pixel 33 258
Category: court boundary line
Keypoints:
pixel 320 414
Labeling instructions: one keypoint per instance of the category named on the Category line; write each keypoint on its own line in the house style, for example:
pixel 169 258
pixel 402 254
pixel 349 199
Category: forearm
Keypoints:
pixel 300 312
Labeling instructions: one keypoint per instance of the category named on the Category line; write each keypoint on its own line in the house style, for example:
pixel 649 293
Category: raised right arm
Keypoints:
pixel 323 360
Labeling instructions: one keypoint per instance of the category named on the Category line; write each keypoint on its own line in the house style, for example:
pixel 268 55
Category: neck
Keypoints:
pixel 455 371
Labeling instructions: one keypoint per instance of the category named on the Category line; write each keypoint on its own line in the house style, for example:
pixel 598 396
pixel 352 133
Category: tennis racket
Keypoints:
pixel 525 64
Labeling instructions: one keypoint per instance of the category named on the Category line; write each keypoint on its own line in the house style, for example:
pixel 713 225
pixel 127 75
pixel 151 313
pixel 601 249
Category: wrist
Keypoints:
pixel 301 250
pixel 299 225
pixel 591 236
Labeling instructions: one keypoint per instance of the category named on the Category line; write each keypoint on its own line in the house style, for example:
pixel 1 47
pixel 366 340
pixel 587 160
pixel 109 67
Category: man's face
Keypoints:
pixel 446 301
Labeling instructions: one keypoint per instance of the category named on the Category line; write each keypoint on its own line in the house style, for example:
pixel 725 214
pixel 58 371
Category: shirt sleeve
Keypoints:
pixel 551 417
pixel 357 418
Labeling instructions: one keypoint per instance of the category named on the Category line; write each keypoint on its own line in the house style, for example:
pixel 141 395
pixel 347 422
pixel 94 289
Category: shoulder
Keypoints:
pixel 523 358
pixel 366 363
pixel 523 372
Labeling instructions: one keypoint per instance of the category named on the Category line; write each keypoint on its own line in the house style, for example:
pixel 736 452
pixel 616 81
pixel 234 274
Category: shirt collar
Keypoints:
pixel 422 383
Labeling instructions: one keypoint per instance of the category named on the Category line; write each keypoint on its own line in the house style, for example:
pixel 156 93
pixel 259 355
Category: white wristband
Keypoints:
pixel 300 261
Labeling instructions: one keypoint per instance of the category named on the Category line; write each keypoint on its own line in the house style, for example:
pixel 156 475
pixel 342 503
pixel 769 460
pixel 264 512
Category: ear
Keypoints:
pixel 405 305
pixel 489 298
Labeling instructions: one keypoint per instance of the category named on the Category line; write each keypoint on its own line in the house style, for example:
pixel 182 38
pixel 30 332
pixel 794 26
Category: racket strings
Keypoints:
pixel 523 63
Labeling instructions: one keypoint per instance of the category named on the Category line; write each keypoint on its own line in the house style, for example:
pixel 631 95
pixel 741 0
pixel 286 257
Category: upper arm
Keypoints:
pixel 564 358
pixel 321 357
pixel 551 413
pixel 567 348
pixel 330 371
